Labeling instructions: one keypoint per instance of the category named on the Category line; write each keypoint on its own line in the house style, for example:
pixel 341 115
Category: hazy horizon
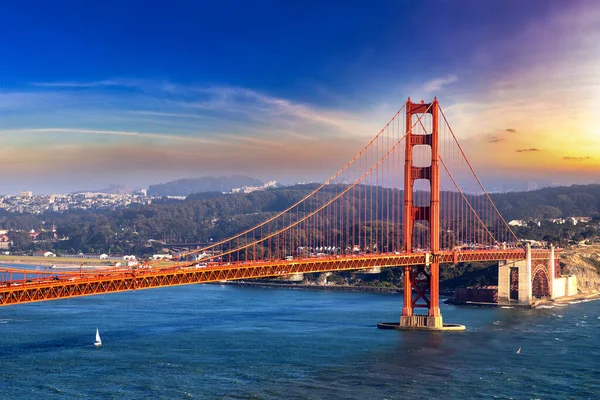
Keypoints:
pixel 491 187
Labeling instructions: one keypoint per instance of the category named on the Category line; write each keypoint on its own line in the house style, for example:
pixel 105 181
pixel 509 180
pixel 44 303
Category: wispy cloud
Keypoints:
pixel 166 114
pixel 91 84
pixel 130 134
pixel 242 103
pixel 510 130
pixel 218 98
pixel 568 158
pixel 495 139
pixel 145 86
pixel 437 84
pixel 144 128
pixel 255 104
pixel 533 149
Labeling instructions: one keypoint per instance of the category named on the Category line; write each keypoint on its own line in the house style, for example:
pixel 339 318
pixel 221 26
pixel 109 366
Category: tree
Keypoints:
pixel 20 240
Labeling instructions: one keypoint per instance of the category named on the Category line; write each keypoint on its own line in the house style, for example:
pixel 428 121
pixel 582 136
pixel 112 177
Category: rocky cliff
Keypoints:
pixel 583 262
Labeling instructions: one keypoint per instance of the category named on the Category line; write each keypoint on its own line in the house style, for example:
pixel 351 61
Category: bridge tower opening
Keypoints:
pixel 540 286
pixel 421 283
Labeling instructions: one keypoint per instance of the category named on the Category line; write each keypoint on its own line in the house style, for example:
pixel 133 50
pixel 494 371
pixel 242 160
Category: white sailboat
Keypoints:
pixel 98 341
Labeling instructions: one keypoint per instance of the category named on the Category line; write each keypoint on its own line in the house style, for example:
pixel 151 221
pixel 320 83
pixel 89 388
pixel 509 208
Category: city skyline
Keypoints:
pixel 137 94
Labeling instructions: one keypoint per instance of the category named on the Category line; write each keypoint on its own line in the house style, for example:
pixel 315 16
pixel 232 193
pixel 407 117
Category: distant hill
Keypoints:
pixel 551 202
pixel 184 187
pixel 111 189
pixel 211 215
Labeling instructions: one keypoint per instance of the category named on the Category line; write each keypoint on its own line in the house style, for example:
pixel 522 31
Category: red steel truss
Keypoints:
pixel 103 281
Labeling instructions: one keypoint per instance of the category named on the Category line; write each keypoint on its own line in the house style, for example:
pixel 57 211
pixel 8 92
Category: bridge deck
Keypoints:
pixel 109 281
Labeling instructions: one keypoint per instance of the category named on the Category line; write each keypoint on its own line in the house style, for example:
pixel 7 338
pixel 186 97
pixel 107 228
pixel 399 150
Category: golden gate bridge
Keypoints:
pixel 410 198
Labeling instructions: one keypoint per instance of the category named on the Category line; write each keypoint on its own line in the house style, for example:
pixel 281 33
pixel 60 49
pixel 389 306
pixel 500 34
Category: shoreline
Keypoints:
pixel 343 288
pixel 541 303
pixel 58 262
pixel 578 298
pixel 310 287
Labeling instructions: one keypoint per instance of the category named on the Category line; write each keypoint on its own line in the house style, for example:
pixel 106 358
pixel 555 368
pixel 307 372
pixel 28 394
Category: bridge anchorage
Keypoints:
pixel 538 276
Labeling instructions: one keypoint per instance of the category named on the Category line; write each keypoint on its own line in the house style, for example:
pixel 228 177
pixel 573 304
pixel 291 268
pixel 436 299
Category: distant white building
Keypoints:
pixel 576 220
pixel 559 221
pixel 250 189
pixel 517 222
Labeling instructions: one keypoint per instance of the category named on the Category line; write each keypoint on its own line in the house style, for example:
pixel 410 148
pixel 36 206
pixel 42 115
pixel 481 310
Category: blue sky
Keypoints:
pixel 142 92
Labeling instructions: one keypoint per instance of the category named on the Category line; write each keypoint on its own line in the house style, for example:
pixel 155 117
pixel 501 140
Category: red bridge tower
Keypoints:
pixel 422 282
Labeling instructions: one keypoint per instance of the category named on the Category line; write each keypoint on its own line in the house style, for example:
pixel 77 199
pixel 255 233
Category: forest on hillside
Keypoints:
pixel 551 202
pixel 206 216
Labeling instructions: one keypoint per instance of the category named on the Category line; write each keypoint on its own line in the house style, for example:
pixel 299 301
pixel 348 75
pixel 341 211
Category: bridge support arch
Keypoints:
pixel 516 279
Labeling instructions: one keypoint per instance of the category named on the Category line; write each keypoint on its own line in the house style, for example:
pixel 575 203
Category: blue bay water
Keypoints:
pixel 215 341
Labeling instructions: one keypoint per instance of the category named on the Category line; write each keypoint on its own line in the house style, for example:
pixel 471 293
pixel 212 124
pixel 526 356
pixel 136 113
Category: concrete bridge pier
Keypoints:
pixel 552 271
pixel 373 271
pixel 297 277
pixel 514 281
